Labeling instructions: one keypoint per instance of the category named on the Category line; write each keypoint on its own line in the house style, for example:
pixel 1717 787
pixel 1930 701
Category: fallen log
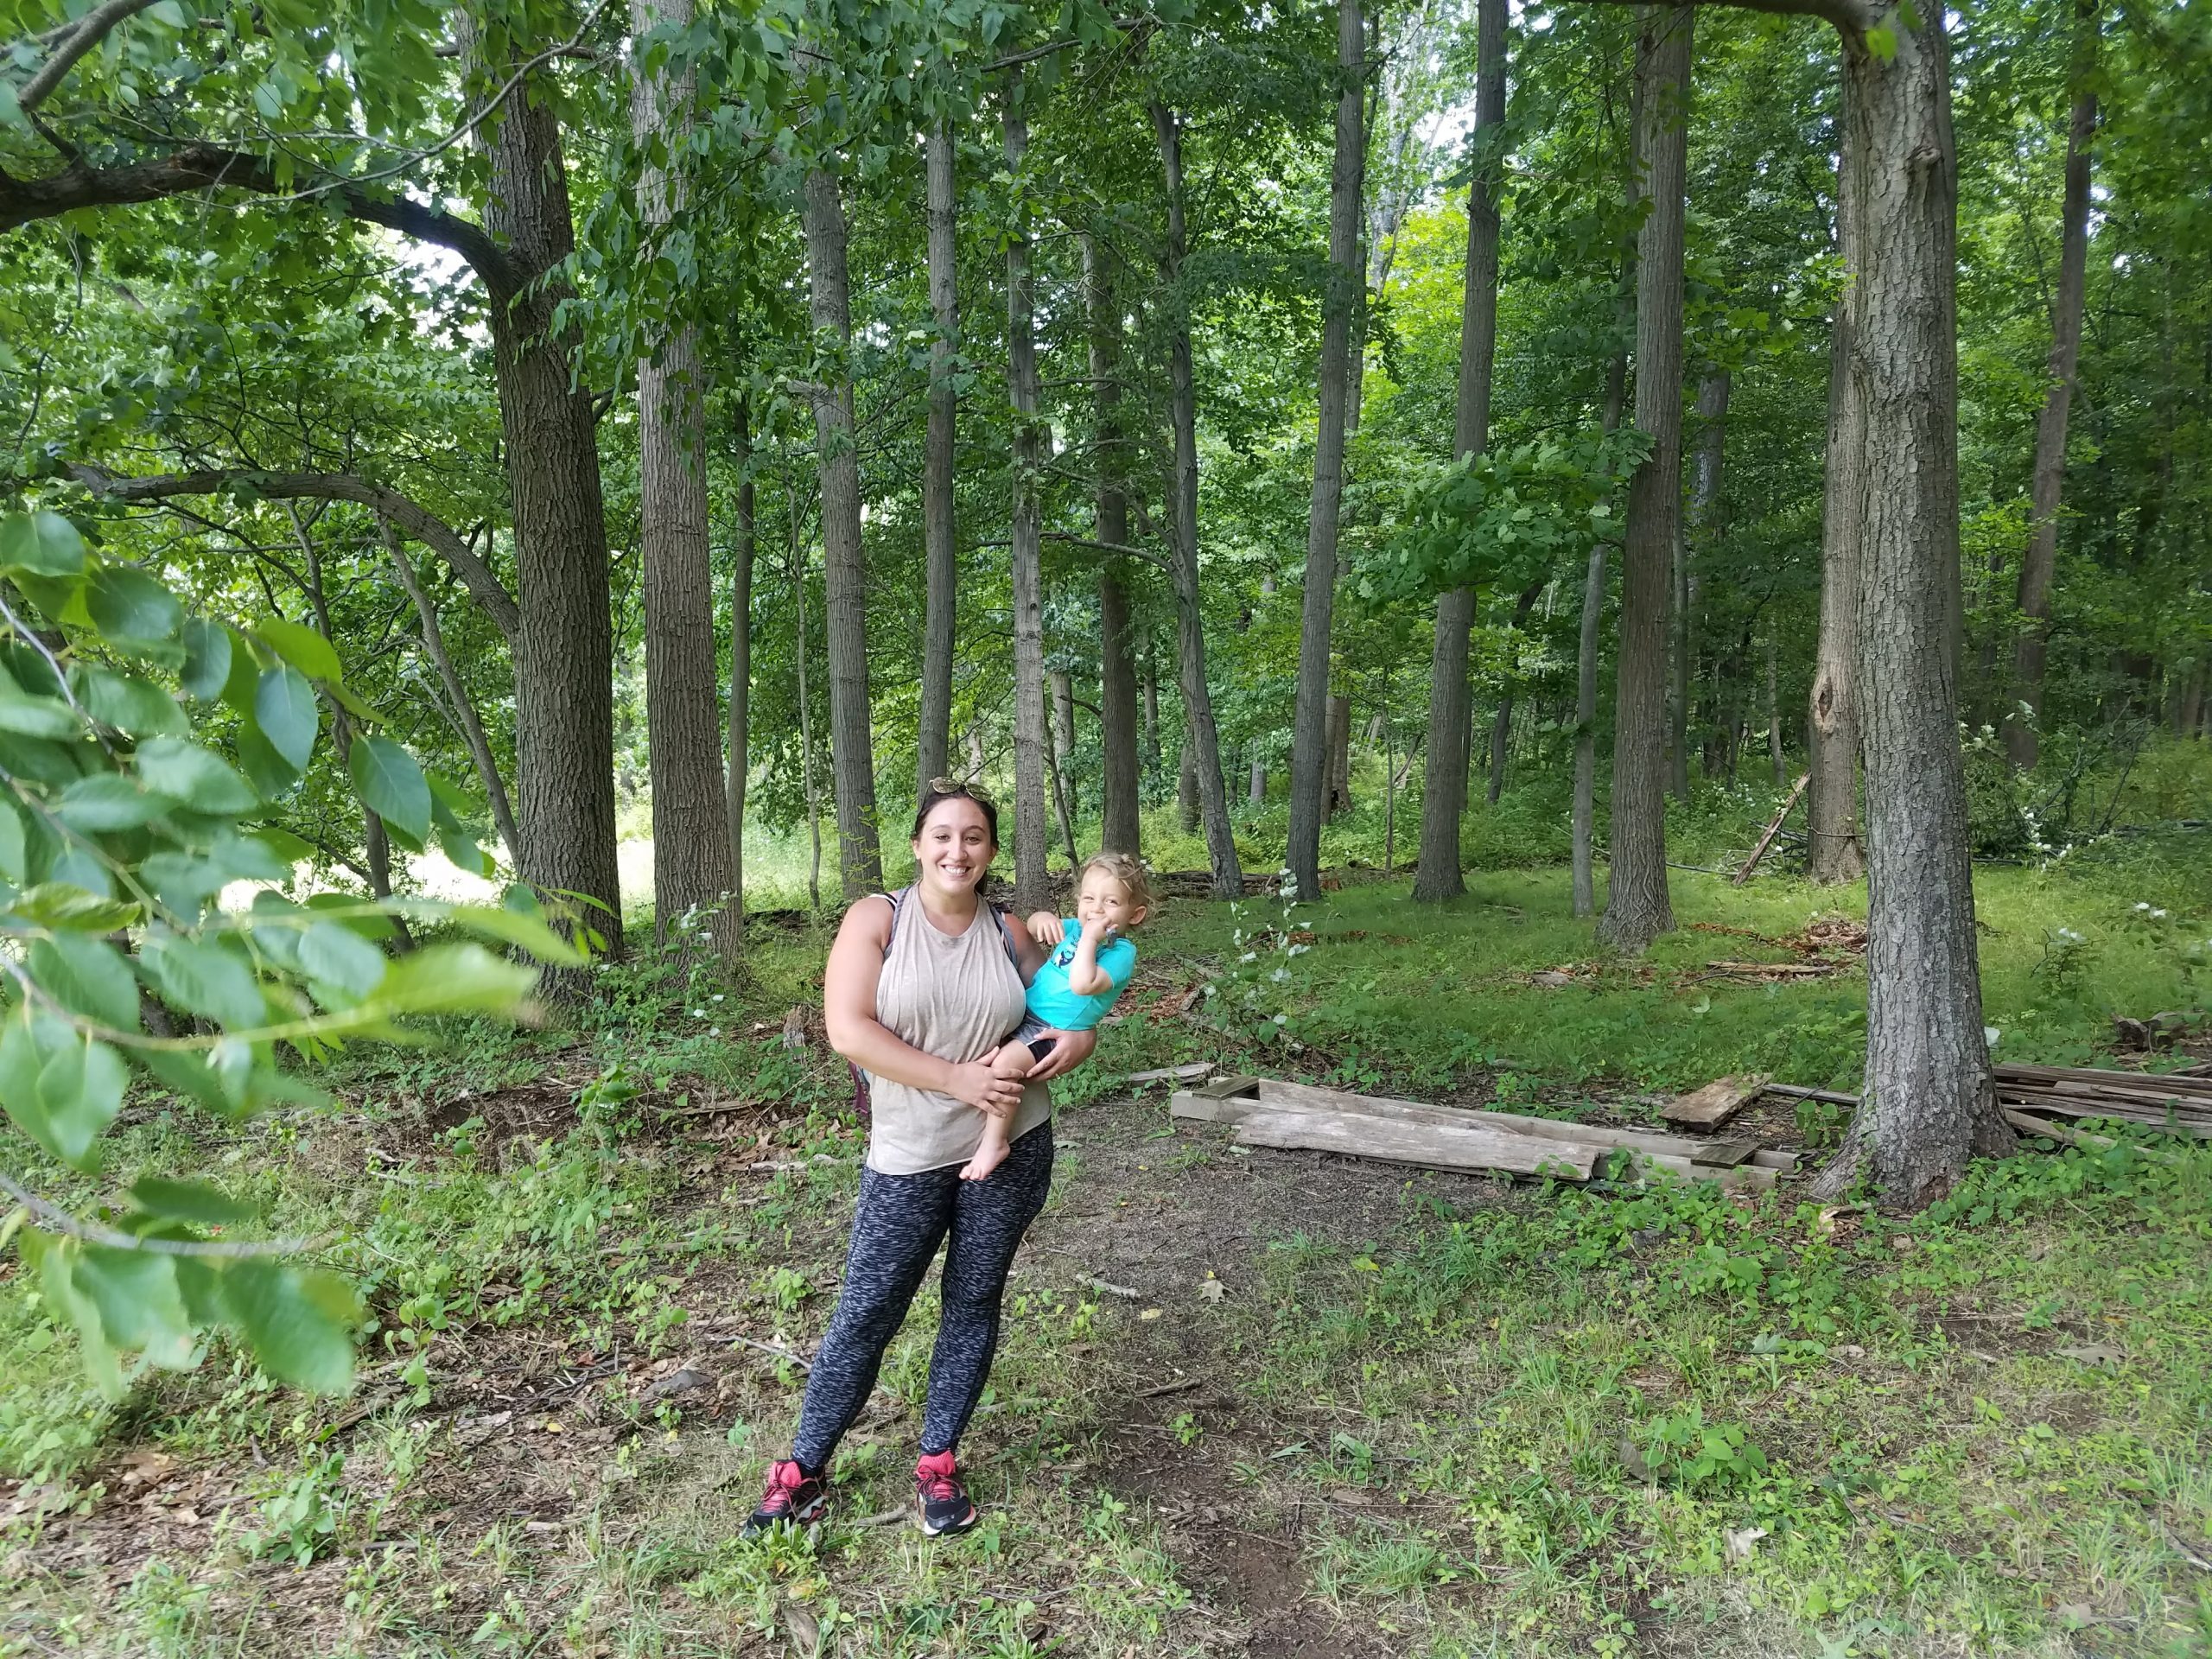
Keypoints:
pixel 1772 830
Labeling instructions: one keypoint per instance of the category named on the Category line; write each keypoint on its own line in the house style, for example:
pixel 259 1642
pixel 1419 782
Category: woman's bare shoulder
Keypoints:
pixel 869 918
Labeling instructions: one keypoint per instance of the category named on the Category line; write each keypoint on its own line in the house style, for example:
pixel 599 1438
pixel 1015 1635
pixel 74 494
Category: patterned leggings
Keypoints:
pixel 901 1222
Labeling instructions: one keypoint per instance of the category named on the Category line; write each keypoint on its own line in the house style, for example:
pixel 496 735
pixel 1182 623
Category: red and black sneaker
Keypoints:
pixel 792 1495
pixel 944 1500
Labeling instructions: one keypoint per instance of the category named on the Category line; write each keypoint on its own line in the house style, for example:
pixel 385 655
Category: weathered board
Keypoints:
pixel 1715 1103
pixel 1432 1145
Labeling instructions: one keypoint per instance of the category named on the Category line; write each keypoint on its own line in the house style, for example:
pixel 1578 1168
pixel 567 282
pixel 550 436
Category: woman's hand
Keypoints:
pixel 1045 929
pixel 1069 1049
pixel 977 1085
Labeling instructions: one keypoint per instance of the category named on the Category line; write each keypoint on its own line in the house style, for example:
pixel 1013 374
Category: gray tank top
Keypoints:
pixel 957 996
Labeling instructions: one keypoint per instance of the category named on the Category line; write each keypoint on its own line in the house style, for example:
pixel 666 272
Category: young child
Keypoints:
pixel 1091 960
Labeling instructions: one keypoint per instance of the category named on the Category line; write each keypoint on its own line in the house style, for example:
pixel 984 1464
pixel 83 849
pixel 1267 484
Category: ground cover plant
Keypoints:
pixel 1248 1401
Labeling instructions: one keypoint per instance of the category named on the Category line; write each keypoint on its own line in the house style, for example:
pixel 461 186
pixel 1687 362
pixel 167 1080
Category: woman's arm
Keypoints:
pixel 848 1013
pixel 1070 1049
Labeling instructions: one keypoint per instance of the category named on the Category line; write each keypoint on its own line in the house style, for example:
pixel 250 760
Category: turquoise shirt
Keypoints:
pixel 1052 999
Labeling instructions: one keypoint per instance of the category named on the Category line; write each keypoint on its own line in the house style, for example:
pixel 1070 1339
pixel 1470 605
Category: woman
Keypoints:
pixel 918 989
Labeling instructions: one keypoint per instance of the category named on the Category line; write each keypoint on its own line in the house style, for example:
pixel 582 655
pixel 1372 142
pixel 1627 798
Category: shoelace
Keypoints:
pixel 782 1488
pixel 942 1489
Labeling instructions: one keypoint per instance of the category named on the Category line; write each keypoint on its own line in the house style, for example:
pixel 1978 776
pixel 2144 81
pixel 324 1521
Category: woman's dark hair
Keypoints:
pixel 942 790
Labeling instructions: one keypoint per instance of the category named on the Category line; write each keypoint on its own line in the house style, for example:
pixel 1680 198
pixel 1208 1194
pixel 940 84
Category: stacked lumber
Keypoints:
pixel 2177 1104
pixel 1297 1116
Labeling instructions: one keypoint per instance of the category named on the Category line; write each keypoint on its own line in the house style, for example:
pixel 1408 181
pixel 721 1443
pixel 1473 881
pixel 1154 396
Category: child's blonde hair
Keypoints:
pixel 1136 881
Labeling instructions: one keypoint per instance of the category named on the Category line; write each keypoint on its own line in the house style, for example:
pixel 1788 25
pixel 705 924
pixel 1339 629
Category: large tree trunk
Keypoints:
pixel 1310 755
pixel 1583 815
pixel 691 851
pixel 1187 783
pixel 1202 747
pixel 740 654
pixel 1691 541
pixel 1774 756
pixel 564 645
pixel 844 571
pixel 1031 885
pixel 1637 907
pixel 2021 741
pixel 1152 757
pixel 1444 780
pixel 472 723
pixel 1120 789
pixel 1062 683
pixel 1929 1104
pixel 1833 852
pixel 1336 730
pixel 941 554
pixel 809 777
pixel 1255 789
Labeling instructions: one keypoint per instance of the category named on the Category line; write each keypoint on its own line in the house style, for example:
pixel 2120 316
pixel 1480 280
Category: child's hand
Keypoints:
pixel 1045 928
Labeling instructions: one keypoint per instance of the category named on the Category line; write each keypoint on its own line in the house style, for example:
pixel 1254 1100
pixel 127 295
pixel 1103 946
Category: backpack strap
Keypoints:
pixel 999 914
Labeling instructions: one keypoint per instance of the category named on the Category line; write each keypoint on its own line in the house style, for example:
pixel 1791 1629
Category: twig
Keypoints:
pixel 1170 1388
pixel 55 1219
pixel 771 1348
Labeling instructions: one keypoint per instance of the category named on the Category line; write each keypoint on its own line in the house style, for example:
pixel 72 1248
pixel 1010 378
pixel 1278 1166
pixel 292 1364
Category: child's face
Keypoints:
pixel 1104 903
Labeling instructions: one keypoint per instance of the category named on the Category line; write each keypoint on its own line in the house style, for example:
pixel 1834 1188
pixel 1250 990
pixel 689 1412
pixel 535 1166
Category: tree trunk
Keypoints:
pixel 1120 791
pixel 1450 733
pixel 844 571
pixel 1062 683
pixel 1056 766
pixel 1774 755
pixel 1186 785
pixel 1834 850
pixel 1691 541
pixel 2021 741
pixel 740 655
pixel 1256 784
pixel 1583 813
pixel 564 646
pixel 472 724
pixel 941 554
pixel 1031 885
pixel 807 774
pixel 1310 759
pixel 1203 749
pixel 1638 908
pixel 1501 729
pixel 1152 762
pixel 691 848
pixel 1336 732
pixel 1929 1103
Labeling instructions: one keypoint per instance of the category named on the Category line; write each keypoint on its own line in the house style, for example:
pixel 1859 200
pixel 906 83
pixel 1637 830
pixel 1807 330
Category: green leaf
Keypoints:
pixel 126 703
pixel 303 647
pixel 61 1089
pixel 513 927
pixel 1882 42
pixel 57 1259
pixel 466 852
pixel 106 802
pixel 206 658
pixel 392 785
pixel 339 957
pixel 455 979
pixel 269 772
pixel 45 543
pixel 12 868
pixel 135 1294
pixel 203 781
pixel 36 716
pixel 284 708
pixel 86 975
pixel 300 1324
pixel 205 979
pixel 65 905
pixel 359 915
pixel 127 604
pixel 194 1201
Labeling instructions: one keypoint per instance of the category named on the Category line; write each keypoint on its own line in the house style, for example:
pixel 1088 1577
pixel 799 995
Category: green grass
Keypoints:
pixel 1437 1434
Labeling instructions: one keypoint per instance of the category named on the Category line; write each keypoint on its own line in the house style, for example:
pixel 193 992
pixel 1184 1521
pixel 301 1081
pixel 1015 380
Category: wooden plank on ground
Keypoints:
pixel 1727 1155
pixel 1432 1145
pixel 1783 1163
pixel 1230 1087
pixel 1300 1096
pixel 1715 1103
pixel 1197 1071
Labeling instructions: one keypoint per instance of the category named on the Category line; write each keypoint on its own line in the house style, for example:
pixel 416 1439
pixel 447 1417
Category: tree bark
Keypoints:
pixel 807 774
pixel 1062 683
pixel 692 876
pixel 1637 907
pixel 1202 747
pixel 1927 1100
pixel 1583 813
pixel 1187 783
pixel 844 569
pixel 940 629
pixel 1690 540
pixel 1153 763
pixel 1338 730
pixel 1117 675
pixel 1310 761
pixel 740 654
pixel 1501 729
pixel 1256 784
pixel 472 724
pixel 564 641
pixel 1774 755
pixel 1444 780
pixel 2037 570
pixel 1032 884
pixel 1834 850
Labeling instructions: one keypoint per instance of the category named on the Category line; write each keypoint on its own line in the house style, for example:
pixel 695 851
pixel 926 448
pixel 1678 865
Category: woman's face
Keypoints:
pixel 955 846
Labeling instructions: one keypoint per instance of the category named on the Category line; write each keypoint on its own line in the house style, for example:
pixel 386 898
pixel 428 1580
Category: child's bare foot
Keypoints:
pixel 988 1156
